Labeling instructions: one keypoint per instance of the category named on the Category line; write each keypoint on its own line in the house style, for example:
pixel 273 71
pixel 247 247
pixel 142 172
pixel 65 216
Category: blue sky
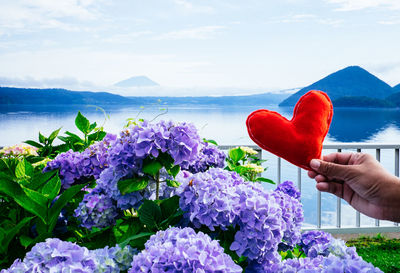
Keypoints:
pixel 245 46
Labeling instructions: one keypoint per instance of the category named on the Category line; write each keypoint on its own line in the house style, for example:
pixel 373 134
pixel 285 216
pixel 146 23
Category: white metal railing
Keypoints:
pixel 339 229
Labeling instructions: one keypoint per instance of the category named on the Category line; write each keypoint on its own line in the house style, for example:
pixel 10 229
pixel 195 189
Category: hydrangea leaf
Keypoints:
pixel 263 179
pixel 173 183
pixel 82 123
pixel 132 184
pixel 150 214
pixel 152 167
pixel 237 154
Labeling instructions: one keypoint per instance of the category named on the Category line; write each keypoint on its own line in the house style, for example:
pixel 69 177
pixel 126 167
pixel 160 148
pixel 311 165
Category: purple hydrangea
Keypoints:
pixel 96 210
pixel 114 259
pixel 292 214
pixel 209 156
pixel 55 255
pixel 76 167
pixel 180 141
pixel 219 198
pixel 182 250
pixel 319 243
pixel 289 188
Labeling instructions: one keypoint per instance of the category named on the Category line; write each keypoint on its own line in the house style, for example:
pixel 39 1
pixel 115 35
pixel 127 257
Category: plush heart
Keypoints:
pixel 297 140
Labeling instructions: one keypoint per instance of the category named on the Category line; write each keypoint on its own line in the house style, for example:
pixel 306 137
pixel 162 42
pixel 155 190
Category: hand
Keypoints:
pixel 360 180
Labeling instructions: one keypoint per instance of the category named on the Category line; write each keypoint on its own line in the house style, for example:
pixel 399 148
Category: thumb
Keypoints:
pixel 329 169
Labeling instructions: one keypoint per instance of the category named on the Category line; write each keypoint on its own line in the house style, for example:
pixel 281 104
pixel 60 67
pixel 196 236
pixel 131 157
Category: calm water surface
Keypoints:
pixel 226 125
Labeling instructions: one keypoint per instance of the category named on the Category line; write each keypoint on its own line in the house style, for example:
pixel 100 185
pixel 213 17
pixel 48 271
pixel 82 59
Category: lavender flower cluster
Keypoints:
pixel 319 243
pixel 218 198
pixel 125 159
pixel 182 250
pixel 55 255
pixel 288 198
pixel 75 166
pixel 209 157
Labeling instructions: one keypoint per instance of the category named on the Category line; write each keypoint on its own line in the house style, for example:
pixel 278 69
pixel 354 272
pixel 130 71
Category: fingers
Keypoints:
pixel 331 170
pixel 331 187
pixel 338 158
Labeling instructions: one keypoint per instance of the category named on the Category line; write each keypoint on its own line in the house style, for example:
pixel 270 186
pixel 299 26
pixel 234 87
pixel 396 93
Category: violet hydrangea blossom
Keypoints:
pixel 219 198
pixel 288 197
pixel 182 250
pixel 55 255
pixel 76 167
pixel 210 156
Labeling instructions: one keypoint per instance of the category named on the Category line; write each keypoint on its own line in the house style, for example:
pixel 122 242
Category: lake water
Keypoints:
pixel 226 125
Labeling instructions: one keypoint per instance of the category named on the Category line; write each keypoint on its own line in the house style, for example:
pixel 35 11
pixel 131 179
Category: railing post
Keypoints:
pixel 358 215
pixel 378 157
pixel 319 209
pixel 279 170
pixel 339 206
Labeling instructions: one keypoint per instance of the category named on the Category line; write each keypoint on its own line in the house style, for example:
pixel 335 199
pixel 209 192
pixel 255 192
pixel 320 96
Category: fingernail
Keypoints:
pixel 314 163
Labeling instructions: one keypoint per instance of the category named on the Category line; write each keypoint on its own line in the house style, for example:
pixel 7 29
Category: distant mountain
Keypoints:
pixel 256 100
pixel 11 95
pixel 352 81
pixel 138 81
pixel 362 101
pixel 397 88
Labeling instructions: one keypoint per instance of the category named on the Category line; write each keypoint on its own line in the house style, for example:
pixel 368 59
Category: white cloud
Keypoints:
pixel 190 7
pixel 198 33
pixel 350 5
pixel 127 37
pixel 302 18
pixel 29 14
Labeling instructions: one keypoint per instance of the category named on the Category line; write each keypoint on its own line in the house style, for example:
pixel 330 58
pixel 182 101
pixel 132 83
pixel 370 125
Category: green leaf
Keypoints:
pixel 42 138
pixel 33 143
pixel 26 240
pixel 92 126
pixel 39 179
pixel 23 169
pixel 149 214
pixel 63 138
pixel 237 154
pixel 52 188
pixel 174 170
pixel 53 135
pixel 132 184
pixel 169 206
pixel 152 167
pixel 36 196
pixel 263 179
pixel 64 198
pixel 210 141
pixel 141 236
pixel 10 234
pixel 97 136
pixel 15 191
pixel 173 183
pixel 73 136
pixel 82 123
pixel 166 160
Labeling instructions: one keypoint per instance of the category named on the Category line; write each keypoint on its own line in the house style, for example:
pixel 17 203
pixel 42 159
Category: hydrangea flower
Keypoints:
pixel 55 255
pixel 319 243
pixel 18 150
pixel 248 150
pixel 75 167
pixel 209 156
pixel 289 188
pixel 114 259
pixel 182 250
pixel 219 198
pixel 292 214
pixel 96 210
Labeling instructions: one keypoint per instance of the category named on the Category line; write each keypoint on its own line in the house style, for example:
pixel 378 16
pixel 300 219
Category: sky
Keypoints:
pixel 195 47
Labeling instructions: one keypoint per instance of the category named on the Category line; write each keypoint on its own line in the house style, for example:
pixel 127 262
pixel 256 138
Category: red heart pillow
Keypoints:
pixel 297 140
